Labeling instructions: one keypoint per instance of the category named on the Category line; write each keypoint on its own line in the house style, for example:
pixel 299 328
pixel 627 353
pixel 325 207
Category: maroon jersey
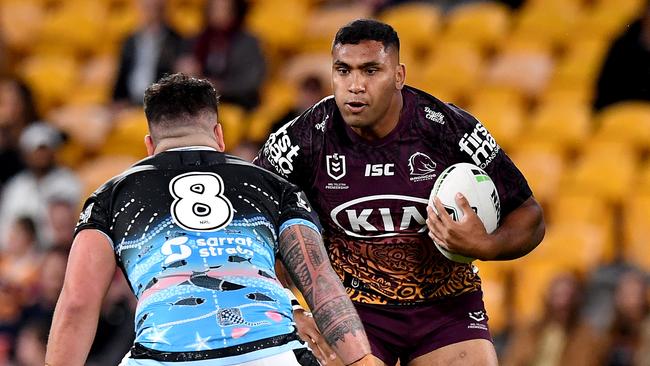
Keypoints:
pixel 371 196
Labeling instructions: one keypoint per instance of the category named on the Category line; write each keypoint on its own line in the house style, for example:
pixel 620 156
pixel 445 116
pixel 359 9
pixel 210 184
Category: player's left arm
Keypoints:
pixel 303 253
pixel 519 233
pixel 90 269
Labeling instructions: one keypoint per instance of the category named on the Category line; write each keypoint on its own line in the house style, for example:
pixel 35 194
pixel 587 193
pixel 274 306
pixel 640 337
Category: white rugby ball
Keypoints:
pixel 481 193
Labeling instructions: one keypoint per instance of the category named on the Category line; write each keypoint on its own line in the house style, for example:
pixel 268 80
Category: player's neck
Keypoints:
pixel 168 143
pixel 387 123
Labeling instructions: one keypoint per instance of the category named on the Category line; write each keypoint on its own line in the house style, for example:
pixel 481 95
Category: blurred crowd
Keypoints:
pixel 55 149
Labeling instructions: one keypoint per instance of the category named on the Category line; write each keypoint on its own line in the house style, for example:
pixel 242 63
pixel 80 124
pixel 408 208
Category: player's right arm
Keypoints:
pixel 303 254
pixel 90 269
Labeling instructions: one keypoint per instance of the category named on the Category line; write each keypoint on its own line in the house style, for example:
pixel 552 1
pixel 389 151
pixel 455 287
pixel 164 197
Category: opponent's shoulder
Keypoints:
pixel 258 171
pixel 145 164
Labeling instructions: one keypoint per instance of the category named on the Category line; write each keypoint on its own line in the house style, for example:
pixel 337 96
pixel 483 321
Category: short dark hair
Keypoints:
pixel 179 96
pixel 367 30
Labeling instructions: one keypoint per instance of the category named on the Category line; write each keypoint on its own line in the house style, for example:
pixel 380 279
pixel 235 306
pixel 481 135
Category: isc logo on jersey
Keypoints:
pixel 480 145
pixel 381 216
pixel 280 151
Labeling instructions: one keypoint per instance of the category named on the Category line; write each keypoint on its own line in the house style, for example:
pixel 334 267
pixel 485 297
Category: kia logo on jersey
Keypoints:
pixel 381 216
pixel 335 166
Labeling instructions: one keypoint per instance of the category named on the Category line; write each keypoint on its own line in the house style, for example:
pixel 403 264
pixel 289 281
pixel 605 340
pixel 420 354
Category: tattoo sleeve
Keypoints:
pixel 303 254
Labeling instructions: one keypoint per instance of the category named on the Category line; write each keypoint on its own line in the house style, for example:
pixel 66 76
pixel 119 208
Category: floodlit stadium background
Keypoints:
pixel 528 74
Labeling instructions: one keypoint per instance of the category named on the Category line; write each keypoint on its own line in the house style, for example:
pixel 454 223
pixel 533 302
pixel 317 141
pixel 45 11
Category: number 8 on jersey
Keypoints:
pixel 199 203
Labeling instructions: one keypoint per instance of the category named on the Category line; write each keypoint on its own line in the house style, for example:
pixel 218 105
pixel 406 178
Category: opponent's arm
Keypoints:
pixel 304 256
pixel 90 269
pixel 305 324
pixel 519 233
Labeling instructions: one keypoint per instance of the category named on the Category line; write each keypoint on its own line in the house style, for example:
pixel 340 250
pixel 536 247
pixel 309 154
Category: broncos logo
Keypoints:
pixel 421 164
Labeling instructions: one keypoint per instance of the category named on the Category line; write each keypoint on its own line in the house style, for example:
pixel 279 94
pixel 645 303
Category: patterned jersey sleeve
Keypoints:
pixel 471 142
pixel 288 152
pixel 95 213
pixel 296 209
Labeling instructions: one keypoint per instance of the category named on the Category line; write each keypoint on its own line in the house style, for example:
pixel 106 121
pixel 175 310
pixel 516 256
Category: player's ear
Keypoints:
pixel 218 134
pixel 148 142
pixel 400 76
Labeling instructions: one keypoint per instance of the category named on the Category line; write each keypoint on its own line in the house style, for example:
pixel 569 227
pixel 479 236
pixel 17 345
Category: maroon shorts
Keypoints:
pixel 406 332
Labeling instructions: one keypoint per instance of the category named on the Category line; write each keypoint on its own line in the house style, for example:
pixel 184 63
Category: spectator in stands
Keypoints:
pixel 28 192
pixel 559 337
pixel 631 308
pixel 62 216
pixel 625 74
pixel 16 112
pixel 31 343
pixel 598 307
pixel 230 56
pixel 147 54
pixel 50 283
pixel 20 260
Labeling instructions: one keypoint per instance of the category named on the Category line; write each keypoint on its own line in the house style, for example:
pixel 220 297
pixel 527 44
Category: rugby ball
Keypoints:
pixel 481 193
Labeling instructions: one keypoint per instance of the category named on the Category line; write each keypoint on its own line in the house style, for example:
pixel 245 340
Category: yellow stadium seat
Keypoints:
pixel 95 81
pixel 581 63
pixel 636 230
pixel 643 179
pixel 278 97
pixel 14 15
pixel 233 122
pixel 584 209
pixel 121 20
pixel 482 23
pixel 525 70
pixel 74 25
pixel 543 168
pixel 605 170
pixel 323 23
pixel 578 245
pixel 497 288
pixel 97 171
pixel 504 121
pixel 186 16
pixel 52 78
pixel 565 125
pixel 576 94
pixel 416 23
pixel 607 19
pixel 627 123
pixel 86 125
pixel 456 67
pixel 548 21
pixel 127 135
pixel 531 281
pixel 279 24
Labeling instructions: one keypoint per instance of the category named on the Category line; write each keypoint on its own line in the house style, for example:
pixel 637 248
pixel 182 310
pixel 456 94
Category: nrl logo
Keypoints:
pixel 335 166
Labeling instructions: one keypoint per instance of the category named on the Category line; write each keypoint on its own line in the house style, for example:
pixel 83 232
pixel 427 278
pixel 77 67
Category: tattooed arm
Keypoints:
pixel 304 256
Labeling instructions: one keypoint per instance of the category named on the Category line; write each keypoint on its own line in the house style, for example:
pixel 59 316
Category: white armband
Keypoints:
pixel 295 305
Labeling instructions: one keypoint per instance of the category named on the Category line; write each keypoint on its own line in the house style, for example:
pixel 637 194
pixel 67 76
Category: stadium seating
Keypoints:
pixel 543 166
pixel 627 123
pixel 417 24
pixel 484 24
pixel 505 124
pixel 566 125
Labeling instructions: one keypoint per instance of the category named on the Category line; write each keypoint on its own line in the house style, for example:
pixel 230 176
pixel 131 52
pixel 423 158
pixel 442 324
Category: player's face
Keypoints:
pixel 367 79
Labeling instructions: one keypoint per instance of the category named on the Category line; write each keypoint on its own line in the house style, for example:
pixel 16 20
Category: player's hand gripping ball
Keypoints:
pixel 479 190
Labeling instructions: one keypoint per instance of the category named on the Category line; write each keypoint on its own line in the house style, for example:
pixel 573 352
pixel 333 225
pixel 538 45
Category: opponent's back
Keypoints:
pixel 195 232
